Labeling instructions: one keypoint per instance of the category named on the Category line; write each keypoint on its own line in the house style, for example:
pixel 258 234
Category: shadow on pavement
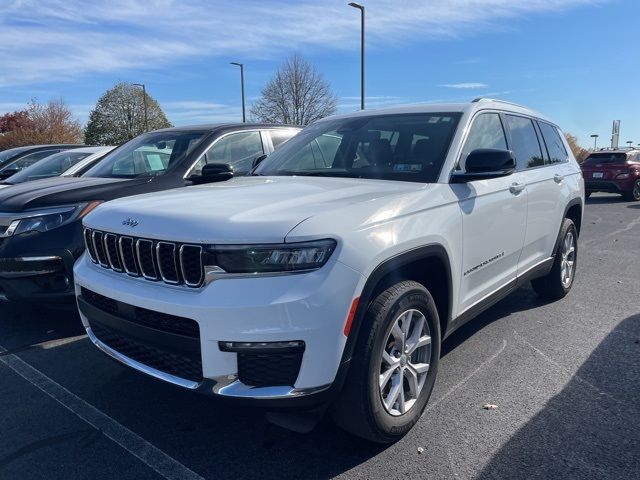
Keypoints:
pixel 590 429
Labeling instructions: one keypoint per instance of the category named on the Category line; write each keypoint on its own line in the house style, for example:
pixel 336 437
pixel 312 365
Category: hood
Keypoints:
pixel 54 191
pixel 242 210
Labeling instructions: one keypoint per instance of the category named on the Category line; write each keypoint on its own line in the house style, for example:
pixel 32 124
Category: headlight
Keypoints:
pixel 48 219
pixel 286 257
pixel 622 176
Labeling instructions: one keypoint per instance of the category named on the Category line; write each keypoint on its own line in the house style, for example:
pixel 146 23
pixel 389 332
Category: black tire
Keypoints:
pixel 359 408
pixel 633 195
pixel 587 194
pixel 551 286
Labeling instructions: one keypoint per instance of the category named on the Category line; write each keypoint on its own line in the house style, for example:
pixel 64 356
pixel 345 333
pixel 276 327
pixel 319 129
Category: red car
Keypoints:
pixel 613 171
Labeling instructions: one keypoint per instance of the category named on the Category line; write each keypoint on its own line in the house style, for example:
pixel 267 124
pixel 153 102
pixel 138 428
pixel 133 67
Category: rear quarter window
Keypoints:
pixel 553 141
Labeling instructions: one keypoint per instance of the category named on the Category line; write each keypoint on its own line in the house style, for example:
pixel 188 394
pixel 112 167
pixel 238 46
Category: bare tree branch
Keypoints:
pixel 297 94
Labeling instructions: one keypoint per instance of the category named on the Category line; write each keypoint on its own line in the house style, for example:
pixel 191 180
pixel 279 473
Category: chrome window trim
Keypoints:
pixel 155 277
pixel 106 248
pixel 175 265
pixel 184 277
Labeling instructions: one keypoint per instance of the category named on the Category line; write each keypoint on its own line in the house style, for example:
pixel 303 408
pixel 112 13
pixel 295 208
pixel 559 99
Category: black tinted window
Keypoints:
pixel 605 157
pixel 525 145
pixel 486 132
pixel 408 147
pixel 555 147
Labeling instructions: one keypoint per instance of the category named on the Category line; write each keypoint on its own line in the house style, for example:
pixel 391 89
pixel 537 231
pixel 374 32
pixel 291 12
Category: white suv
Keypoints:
pixel 333 273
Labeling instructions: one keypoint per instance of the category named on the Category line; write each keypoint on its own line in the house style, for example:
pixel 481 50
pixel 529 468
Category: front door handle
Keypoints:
pixel 558 178
pixel 516 187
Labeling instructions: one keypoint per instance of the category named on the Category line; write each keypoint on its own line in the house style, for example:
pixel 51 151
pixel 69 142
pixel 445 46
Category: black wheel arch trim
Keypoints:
pixel 366 296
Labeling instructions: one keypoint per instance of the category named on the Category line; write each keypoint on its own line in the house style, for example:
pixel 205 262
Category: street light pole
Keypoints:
pixel 144 101
pixel 361 8
pixel 595 141
pixel 241 65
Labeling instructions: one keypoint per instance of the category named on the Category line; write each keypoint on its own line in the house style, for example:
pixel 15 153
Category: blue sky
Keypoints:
pixel 578 61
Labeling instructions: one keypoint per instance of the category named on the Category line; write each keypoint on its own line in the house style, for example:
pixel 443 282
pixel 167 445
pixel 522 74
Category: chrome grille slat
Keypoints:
pixel 171 262
pixel 98 246
pixel 168 267
pixel 144 250
pixel 88 243
pixel 186 268
pixel 128 256
pixel 111 248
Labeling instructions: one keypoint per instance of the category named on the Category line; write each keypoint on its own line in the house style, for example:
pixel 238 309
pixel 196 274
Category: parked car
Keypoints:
pixel 40 221
pixel 332 274
pixel 613 171
pixel 65 163
pixel 15 159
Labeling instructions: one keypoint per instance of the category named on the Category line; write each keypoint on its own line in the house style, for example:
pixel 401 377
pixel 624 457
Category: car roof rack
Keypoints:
pixel 487 99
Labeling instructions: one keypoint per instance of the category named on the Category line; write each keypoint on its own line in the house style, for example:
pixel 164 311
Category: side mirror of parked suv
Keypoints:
pixel 485 163
pixel 258 160
pixel 215 172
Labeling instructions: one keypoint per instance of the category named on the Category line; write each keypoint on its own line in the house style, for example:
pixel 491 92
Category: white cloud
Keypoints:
pixel 465 86
pixel 41 40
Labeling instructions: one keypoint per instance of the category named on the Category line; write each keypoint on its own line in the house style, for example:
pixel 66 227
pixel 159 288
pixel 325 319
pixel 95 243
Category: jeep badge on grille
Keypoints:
pixel 132 223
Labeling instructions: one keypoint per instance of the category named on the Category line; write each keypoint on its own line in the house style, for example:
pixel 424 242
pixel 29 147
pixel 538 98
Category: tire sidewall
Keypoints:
pixel 397 426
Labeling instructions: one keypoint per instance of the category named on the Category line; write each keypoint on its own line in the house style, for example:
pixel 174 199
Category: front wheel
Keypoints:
pixel 394 365
pixel 557 283
pixel 633 195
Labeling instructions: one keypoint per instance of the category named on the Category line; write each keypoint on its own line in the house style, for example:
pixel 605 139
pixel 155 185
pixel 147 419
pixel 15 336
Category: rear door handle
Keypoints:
pixel 558 178
pixel 517 187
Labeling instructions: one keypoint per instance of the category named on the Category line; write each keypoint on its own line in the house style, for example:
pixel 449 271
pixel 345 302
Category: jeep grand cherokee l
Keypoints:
pixel 613 171
pixel 333 273
pixel 40 221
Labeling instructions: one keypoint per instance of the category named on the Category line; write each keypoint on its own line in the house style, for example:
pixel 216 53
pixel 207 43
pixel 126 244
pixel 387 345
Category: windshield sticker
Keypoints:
pixel 407 167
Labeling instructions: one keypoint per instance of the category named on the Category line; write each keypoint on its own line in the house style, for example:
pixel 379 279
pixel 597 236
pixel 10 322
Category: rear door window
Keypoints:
pixel 524 142
pixel 553 141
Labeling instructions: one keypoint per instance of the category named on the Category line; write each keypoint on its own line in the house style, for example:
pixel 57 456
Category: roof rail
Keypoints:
pixel 486 99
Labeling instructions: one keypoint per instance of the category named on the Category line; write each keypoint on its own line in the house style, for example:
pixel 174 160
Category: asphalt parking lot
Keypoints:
pixel 565 377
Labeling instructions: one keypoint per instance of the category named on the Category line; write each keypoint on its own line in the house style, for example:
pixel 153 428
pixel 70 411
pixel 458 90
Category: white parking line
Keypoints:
pixel 137 446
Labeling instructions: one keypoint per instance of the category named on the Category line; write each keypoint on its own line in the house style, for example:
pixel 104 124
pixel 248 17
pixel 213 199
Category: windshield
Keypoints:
pixel 51 166
pixel 596 158
pixel 147 155
pixel 7 154
pixel 407 147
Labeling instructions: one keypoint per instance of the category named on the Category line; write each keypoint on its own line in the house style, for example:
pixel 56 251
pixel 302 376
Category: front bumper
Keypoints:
pixel 45 277
pixel 310 308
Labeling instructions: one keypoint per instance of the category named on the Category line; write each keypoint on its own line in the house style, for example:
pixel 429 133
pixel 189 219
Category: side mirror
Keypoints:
pixel 257 161
pixel 214 172
pixel 486 163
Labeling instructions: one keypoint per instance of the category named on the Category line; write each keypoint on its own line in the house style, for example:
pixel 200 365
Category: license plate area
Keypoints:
pixel 598 175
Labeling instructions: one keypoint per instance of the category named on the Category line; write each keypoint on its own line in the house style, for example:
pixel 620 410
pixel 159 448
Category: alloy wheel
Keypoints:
pixel 568 259
pixel 405 362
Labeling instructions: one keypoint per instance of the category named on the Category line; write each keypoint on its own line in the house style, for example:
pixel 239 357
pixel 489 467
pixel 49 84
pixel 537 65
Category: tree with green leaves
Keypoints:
pixel 296 95
pixel 119 116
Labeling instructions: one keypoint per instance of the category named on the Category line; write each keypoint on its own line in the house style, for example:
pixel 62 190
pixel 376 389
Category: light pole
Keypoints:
pixel 595 141
pixel 241 65
pixel 361 8
pixel 144 101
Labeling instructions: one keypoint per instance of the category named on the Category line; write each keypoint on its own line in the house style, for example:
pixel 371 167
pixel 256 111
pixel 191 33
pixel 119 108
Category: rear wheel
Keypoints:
pixel 394 366
pixel 634 194
pixel 557 283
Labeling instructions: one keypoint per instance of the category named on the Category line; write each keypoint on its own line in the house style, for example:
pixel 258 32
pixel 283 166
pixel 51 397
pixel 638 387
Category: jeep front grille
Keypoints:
pixel 173 263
